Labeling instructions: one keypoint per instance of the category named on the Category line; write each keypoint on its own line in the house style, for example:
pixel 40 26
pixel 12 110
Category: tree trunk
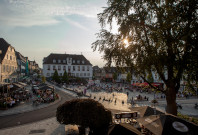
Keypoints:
pixel 171 101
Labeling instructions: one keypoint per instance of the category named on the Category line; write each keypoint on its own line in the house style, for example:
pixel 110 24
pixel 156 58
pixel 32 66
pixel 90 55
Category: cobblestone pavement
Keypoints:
pixel 52 127
pixel 46 127
pixel 187 104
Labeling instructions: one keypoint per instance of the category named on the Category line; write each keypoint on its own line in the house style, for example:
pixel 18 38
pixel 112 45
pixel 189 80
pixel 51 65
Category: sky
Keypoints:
pixel 37 28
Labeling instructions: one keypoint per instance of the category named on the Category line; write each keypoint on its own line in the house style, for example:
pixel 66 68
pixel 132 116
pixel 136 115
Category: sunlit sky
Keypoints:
pixel 37 28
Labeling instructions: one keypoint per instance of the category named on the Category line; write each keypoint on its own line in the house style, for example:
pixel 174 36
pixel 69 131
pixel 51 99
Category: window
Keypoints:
pixel 88 74
pixel 87 68
pixel 155 76
pixel 48 74
pixel 69 68
pixel 10 57
pixel 64 67
pixel 78 61
pixel 84 74
pixel 7 56
pixel 77 74
pixel 54 61
pixel 12 68
pixel 64 61
pixel 78 68
pixel 83 62
pixel 59 67
pixel 83 68
pixel 7 69
pixel 60 74
pixel 52 74
pixel 54 67
pixel 48 68
pixel 59 61
pixel 73 61
pixel 81 74
pixel 74 68
pixel 4 68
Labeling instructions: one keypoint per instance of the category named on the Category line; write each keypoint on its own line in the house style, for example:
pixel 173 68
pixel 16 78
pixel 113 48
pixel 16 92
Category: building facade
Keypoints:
pixel 8 62
pixel 74 65
pixel 21 61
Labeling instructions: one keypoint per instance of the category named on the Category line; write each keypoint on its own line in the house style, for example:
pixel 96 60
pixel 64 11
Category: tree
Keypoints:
pixel 162 37
pixel 115 76
pixel 129 77
pixel 43 79
pixel 150 77
pixel 38 76
pixel 85 113
pixel 55 77
pixel 65 77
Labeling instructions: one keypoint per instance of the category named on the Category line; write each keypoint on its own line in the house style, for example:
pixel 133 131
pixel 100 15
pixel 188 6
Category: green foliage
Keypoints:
pixel 65 77
pixel 162 37
pixel 150 78
pixel 55 77
pixel 115 76
pixel 84 112
pixel 43 79
pixel 129 77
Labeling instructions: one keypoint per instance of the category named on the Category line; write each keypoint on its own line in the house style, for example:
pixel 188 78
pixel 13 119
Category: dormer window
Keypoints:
pixel 54 61
pixel 78 61
pixel 59 61
pixel 73 61
pixel 83 62
pixel 64 61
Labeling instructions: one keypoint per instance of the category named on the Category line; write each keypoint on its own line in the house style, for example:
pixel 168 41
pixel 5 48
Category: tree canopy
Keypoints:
pixel 65 77
pixel 162 37
pixel 86 113
pixel 129 77
pixel 56 77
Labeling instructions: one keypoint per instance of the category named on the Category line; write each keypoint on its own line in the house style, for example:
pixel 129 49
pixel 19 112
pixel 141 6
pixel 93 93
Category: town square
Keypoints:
pixel 101 67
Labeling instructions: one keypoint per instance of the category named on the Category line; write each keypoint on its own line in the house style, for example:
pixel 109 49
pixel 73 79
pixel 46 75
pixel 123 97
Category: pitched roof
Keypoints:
pixel 146 111
pixel 52 56
pixel 20 56
pixel 3 47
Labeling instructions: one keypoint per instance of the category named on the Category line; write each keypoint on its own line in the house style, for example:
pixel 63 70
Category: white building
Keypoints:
pixel 74 65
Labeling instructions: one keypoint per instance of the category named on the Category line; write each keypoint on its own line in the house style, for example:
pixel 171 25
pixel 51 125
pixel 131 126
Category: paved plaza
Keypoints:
pixel 123 103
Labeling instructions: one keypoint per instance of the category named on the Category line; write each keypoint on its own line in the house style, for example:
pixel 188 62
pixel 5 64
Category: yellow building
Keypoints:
pixel 8 62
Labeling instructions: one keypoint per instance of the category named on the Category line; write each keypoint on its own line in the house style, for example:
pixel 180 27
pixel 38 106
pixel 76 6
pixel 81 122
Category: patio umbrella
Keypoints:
pixel 143 84
pixel 136 84
pixel 146 111
pixel 123 129
pixel 167 124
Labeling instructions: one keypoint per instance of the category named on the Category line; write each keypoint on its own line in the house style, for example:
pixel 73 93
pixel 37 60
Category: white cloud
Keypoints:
pixel 76 24
pixel 43 12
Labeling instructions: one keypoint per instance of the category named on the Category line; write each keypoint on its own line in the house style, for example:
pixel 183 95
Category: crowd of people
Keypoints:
pixel 14 96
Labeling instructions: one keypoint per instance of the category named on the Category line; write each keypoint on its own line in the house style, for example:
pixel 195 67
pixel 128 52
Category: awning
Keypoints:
pixel 123 129
pixel 18 85
pixel 136 84
pixel 23 84
pixel 157 84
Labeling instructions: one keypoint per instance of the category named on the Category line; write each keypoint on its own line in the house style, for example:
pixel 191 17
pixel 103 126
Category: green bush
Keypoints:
pixel 85 113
